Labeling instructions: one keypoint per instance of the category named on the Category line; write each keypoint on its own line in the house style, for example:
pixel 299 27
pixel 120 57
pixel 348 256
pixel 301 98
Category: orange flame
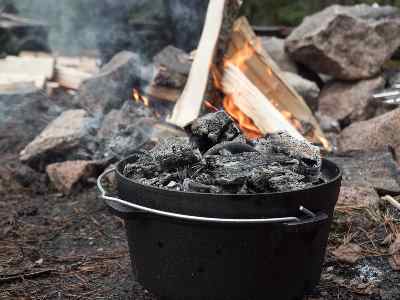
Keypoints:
pixel 210 106
pixel 246 124
pixel 239 59
pixel 140 98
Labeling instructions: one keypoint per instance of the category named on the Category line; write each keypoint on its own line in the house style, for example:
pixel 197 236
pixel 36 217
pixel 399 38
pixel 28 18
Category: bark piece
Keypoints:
pixel 374 133
pixel 66 176
pixel 347 42
pixel 349 101
pixel 375 168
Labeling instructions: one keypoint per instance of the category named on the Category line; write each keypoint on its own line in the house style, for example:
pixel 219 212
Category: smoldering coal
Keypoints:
pixel 216 158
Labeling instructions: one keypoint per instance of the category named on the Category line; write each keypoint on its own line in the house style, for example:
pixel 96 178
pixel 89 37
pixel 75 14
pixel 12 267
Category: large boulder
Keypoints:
pixel 112 86
pixel 373 133
pixel 70 136
pixel 347 42
pixel 309 90
pixel 276 49
pixel 349 102
pixel 24 112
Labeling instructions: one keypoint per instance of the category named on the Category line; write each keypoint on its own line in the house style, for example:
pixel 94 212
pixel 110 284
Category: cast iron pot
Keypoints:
pixel 214 247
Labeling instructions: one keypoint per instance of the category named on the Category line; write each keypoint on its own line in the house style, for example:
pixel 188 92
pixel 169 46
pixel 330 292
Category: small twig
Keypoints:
pixel 392 201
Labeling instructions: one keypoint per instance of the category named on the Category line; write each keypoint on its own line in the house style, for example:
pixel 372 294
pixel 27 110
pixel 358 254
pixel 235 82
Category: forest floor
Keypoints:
pixel 59 247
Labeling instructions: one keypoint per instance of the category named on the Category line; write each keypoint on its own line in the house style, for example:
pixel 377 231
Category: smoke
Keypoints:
pixel 109 26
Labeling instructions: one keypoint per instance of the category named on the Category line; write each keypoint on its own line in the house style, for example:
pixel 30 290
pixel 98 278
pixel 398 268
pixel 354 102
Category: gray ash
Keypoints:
pixel 218 159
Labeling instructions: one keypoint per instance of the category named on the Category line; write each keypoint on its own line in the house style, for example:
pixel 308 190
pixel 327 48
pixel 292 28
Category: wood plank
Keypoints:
pixel 264 73
pixel 199 85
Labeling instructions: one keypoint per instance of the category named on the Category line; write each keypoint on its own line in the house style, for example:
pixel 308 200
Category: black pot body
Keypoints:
pixel 178 259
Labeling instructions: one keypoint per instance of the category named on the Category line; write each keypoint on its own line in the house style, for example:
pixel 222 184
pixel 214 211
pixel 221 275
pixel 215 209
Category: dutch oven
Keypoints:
pixel 200 246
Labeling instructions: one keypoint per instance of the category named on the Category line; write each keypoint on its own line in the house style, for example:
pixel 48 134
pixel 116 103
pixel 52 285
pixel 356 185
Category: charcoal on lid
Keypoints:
pixel 175 152
pixel 214 128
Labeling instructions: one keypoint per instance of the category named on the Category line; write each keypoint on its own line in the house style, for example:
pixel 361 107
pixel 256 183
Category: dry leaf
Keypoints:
pixel 348 253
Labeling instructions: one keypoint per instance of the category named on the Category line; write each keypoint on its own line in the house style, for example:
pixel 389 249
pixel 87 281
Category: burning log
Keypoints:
pixel 264 74
pixel 213 42
pixel 253 103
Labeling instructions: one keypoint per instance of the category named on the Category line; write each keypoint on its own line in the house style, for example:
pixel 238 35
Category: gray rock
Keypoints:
pixel 350 101
pixel 327 123
pixel 112 86
pixel 70 136
pixel 119 119
pixel 276 49
pixel 68 176
pixel 373 133
pixel 359 196
pixel 306 88
pixel 24 112
pixel 349 43
pixel 376 168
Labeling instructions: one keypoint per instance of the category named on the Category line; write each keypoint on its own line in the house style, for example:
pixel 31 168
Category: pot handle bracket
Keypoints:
pixel 125 207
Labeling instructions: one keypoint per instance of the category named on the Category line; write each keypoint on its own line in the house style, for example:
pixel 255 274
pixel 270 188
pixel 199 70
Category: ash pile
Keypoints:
pixel 217 158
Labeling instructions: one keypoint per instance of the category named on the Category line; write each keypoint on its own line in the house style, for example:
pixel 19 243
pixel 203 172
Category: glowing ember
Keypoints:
pixel 245 123
pixel 139 98
pixel 210 106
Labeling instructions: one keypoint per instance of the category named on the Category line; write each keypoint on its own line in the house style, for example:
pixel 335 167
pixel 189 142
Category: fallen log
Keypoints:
pixel 213 42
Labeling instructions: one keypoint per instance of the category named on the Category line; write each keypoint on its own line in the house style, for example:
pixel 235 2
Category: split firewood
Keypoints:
pixel 253 103
pixel 22 69
pixel 264 73
pixel 213 42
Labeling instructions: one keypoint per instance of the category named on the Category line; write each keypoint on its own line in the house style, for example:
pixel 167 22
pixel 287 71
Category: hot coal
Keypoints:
pixel 214 128
pixel 218 159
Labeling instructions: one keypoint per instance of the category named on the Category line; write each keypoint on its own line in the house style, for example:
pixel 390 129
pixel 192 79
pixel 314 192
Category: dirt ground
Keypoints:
pixel 58 247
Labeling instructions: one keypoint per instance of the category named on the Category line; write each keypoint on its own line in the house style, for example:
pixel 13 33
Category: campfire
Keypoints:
pixel 212 138
pixel 232 71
